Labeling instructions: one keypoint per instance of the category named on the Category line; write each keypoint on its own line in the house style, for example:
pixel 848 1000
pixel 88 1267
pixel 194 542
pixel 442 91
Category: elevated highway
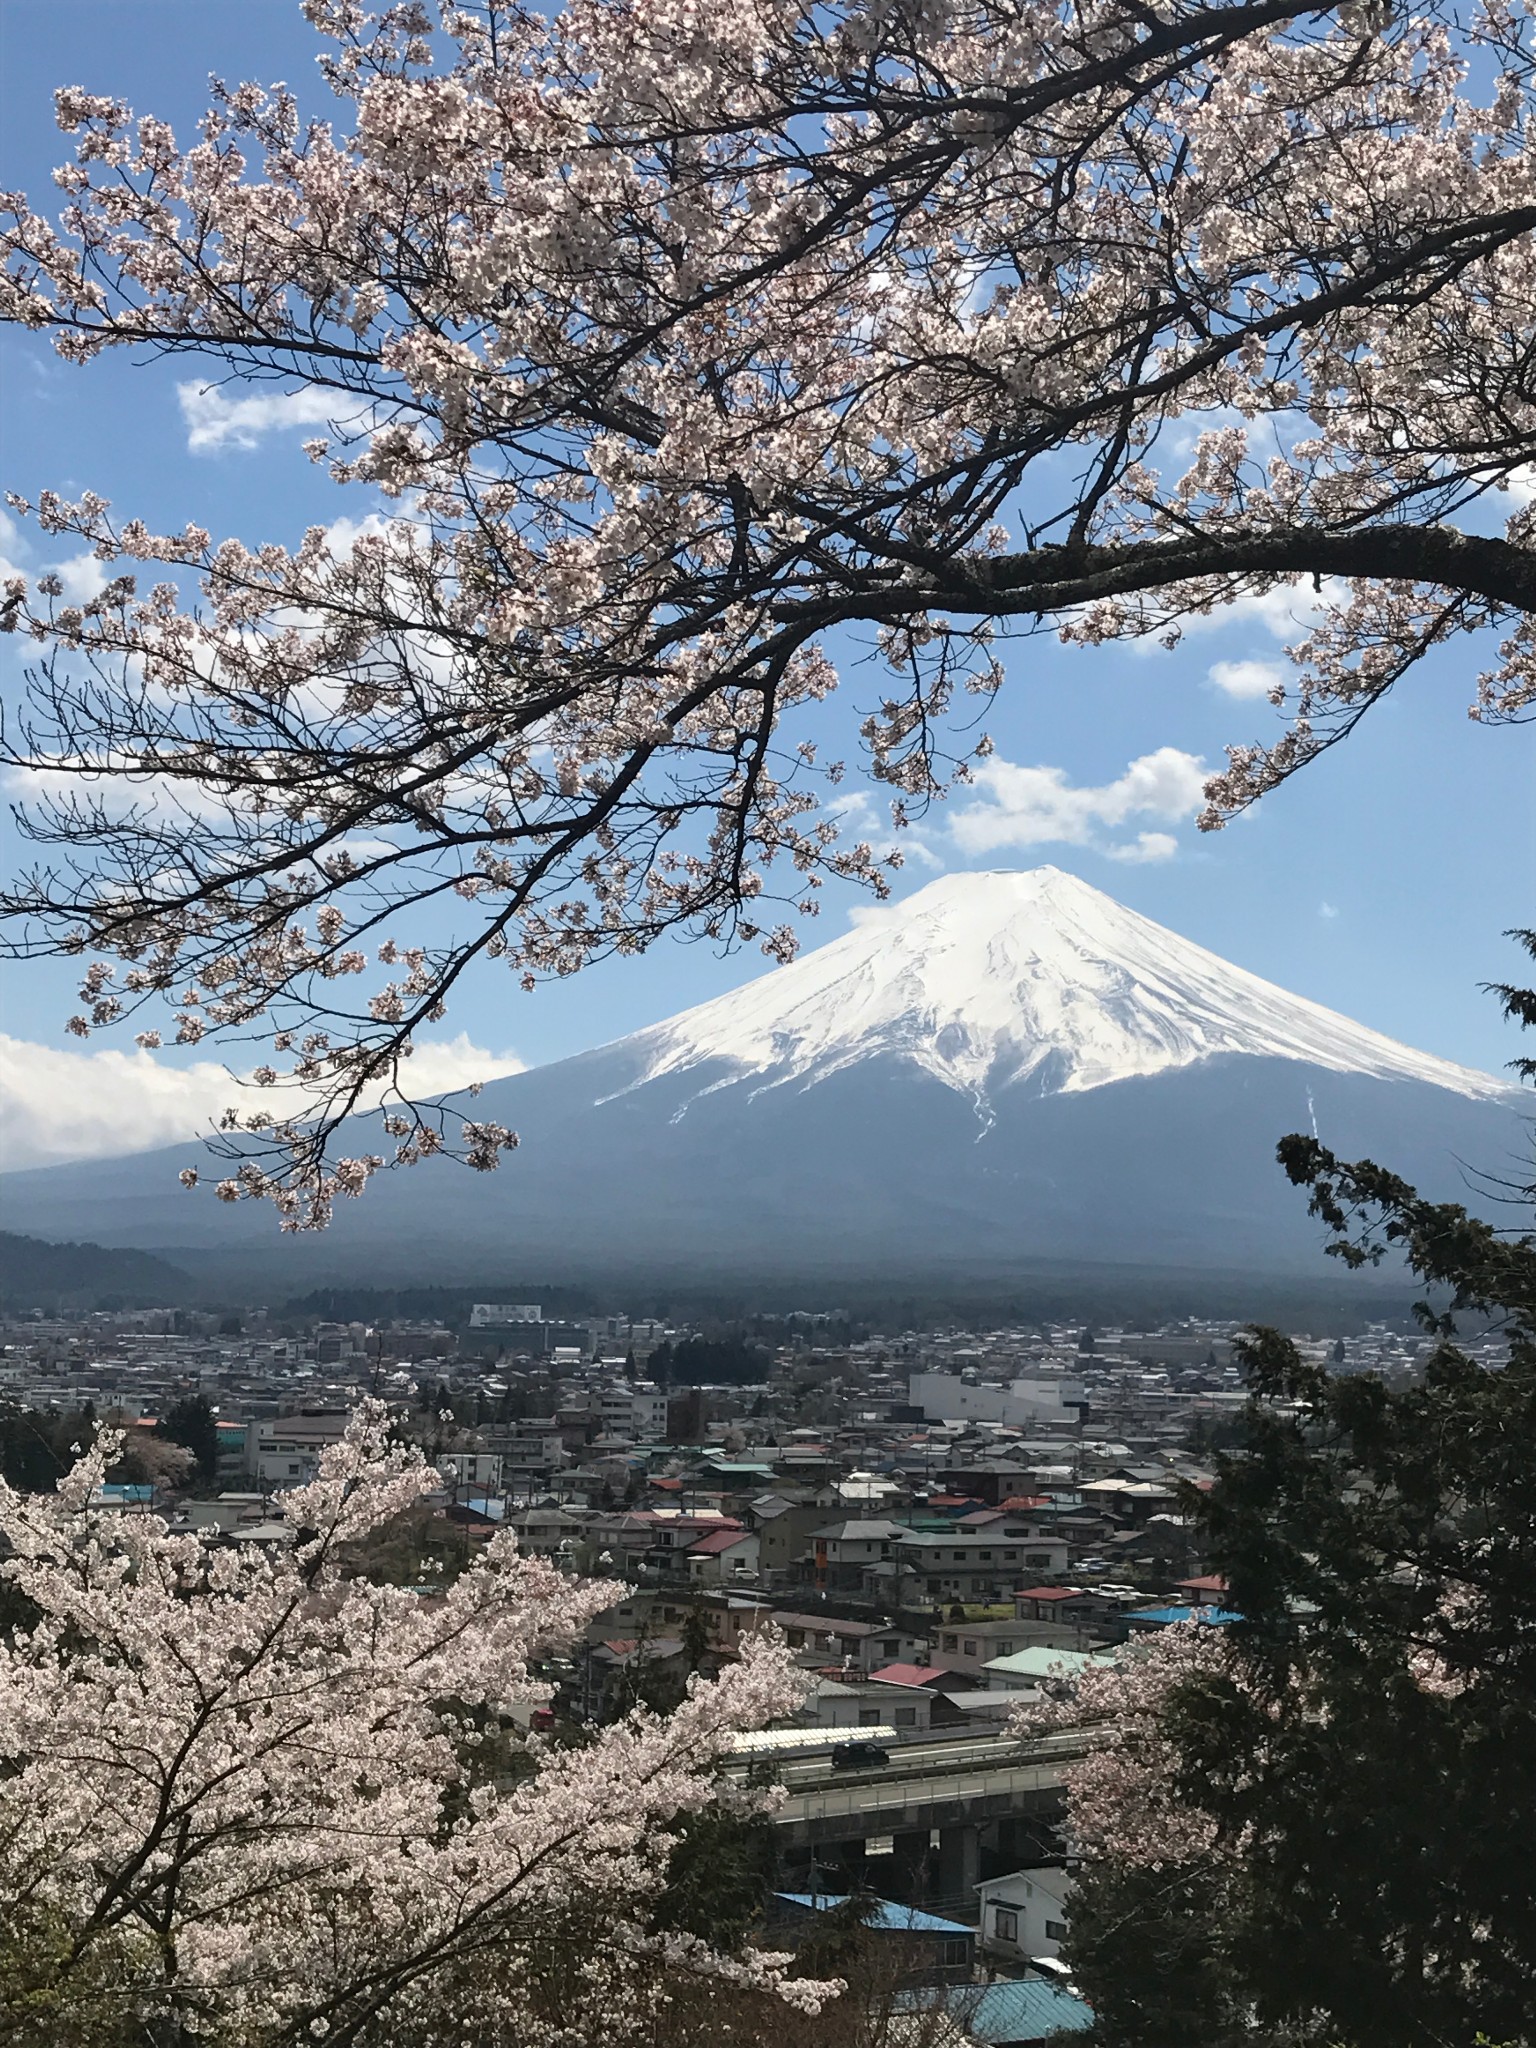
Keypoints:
pixel 937 1805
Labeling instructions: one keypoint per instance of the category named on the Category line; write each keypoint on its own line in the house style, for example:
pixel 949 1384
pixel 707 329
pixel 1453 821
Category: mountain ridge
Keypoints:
pixel 1002 1068
pixel 1045 938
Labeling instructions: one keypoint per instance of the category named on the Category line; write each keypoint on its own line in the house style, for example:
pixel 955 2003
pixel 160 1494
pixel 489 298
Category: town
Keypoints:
pixel 945 1527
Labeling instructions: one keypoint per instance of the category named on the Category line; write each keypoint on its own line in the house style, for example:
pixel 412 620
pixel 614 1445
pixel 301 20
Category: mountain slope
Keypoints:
pixel 1006 1067
pixel 991 981
pixel 34 1274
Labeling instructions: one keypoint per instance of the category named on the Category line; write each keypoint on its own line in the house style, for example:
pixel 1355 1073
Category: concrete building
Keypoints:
pixel 1018 1403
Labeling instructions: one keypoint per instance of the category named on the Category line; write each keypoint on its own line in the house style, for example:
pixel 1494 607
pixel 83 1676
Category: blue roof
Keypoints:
pixel 885 1914
pixel 1028 2009
pixel 1023 2009
pixel 1169 1617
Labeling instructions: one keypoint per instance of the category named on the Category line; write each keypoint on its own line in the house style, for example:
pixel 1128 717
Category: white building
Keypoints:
pixel 471 1471
pixel 946 1397
pixel 1024 1915
pixel 284 1450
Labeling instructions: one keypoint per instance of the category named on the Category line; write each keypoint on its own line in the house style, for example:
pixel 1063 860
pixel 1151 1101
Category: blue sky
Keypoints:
pixel 1378 882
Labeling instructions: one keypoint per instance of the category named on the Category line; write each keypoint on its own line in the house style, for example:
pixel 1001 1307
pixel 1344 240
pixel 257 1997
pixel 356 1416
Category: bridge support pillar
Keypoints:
pixel 959 1863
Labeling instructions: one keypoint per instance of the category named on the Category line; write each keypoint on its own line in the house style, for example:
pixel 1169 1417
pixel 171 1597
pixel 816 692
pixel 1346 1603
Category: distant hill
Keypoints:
pixel 50 1276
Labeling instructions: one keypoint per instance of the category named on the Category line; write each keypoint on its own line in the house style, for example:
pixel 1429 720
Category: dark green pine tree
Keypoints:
pixel 191 1422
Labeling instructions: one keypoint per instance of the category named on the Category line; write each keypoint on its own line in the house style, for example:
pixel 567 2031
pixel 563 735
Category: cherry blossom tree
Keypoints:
pixel 249 1798
pixel 683 343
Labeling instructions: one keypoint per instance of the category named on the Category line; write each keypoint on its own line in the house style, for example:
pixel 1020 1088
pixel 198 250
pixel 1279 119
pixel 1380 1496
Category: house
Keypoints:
pixel 846 1703
pixel 928 1677
pixel 1017 2012
pixel 840 1551
pixel 1038 1665
pixel 1208 1591
pixel 783 1529
pixel 658 1537
pixel 226 1513
pixel 609 1670
pixel 545 1528
pixel 722 1556
pixel 1134 1500
pixel 958 1566
pixel 1023 1915
pixel 1146 1619
pixel 727 1615
pixel 284 1450
pixel 120 1494
pixel 1065 1605
pixel 940 1951
pixel 971 1646
pixel 864 1643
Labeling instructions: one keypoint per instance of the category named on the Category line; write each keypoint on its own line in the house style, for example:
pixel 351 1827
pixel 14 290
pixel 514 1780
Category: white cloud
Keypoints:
pixel 1146 846
pixel 1288 613
pixel 57 1104
pixel 1329 910
pixel 1028 806
pixel 443 1063
pixel 862 915
pixel 917 848
pixel 858 816
pixel 215 421
pixel 81 575
pixel 1246 678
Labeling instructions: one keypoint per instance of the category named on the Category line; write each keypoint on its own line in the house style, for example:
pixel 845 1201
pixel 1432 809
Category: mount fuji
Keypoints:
pixel 1003 1068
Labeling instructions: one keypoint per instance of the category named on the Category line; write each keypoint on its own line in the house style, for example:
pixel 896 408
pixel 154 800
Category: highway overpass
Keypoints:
pixel 927 1824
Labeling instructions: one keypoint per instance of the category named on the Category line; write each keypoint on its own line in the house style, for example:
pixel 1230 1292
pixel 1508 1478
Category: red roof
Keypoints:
pixel 1211 1583
pixel 721 1540
pixel 1027 1500
pixel 1049 1593
pixel 911 1674
pixel 668 1485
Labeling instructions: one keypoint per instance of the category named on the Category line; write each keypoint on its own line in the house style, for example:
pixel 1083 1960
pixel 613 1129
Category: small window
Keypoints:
pixel 959 1557
pixel 985 1556
pixel 956 1953
pixel 1055 1930
pixel 869 1717
pixel 1037 1557
pixel 970 1649
pixel 904 1717
pixel 1005 1923
pixel 891 1649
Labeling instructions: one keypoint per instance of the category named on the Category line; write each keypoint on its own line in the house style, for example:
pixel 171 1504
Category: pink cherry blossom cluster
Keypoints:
pixel 684 343
pixel 1124 1793
pixel 272 1764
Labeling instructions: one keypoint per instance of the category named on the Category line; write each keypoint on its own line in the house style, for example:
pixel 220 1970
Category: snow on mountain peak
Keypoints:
pixel 994 980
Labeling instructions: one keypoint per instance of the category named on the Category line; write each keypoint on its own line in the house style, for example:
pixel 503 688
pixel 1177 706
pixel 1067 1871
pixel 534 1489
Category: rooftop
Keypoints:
pixel 885 1914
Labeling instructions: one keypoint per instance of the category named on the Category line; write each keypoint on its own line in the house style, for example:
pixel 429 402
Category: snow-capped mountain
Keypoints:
pixel 989 981
pixel 1004 1070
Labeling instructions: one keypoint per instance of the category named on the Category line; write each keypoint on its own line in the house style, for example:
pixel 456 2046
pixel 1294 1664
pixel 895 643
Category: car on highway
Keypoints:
pixel 858 1756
